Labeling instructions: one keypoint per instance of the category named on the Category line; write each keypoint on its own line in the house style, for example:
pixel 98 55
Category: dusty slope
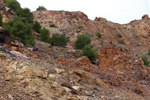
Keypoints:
pixel 33 76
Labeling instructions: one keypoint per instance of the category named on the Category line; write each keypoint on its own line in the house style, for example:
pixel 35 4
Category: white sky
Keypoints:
pixel 119 11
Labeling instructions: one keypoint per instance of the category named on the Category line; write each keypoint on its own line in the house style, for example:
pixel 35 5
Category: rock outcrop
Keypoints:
pixel 7 13
pixel 124 69
pixel 100 19
pixel 145 17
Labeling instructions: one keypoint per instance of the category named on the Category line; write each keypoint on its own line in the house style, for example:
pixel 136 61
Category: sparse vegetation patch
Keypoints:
pixel 89 52
pixel 81 41
pixel 98 34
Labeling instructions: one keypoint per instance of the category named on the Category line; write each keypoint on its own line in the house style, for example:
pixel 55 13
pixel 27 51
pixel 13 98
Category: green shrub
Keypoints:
pixel 80 27
pixel 20 12
pixel 145 60
pixel 25 13
pixel 58 40
pixel 52 25
pixel 41 8
pixel 44 35
pixel 81 41
pixel 20 31
pixel 37 27
pixel 13 4
pixel 98 34
pixel 89 52
pixel 1 18
pixel 148 52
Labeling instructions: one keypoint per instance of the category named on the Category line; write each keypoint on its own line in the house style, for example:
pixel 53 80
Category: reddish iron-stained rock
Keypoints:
pixel 123 68
pixel 82 61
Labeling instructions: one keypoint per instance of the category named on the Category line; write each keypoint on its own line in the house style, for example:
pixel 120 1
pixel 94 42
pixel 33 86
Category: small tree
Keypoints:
pixel 98 34
pixel 145 60
pixel 89 52
pixel 52 25
pixel 37 27
pixel 25 13
pixel 1 18
pixel 41 8
pixel 80 27
pixel 20 31
pixel 58 40
pixel 81 41
pixel 44 35
pixel 13 4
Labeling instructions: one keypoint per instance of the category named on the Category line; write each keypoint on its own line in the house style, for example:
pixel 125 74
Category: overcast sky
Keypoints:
pixel 118 11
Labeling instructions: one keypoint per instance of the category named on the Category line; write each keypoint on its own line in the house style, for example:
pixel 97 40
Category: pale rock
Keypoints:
pixel 41 73
pixel 61 91
pixel 67 89
pixel 20 77
pixel 83 97
pixel 16 53
pixel 75 78
pixel 117 96
pixel 119 72
pixel 55 84
pixel 59 71
pixel 52 77
pixel 9 78
pixel 102 97
pixel 73 98
pixel 2 56
pixel 76 87
pixel 10 97
pixel 31 49
pixel 31 88
pixel 14 66
pixel 29 70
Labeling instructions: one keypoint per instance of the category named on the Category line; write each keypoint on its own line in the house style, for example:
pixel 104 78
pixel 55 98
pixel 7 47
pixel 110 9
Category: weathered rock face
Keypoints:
pixel 7 13
pixel 134 35
pixel 124 69
pixel 115 57
pixel 74 62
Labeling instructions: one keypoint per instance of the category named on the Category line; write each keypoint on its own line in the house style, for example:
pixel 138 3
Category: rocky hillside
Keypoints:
pixel 133 36
pixel 57 73
pixel 46 74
